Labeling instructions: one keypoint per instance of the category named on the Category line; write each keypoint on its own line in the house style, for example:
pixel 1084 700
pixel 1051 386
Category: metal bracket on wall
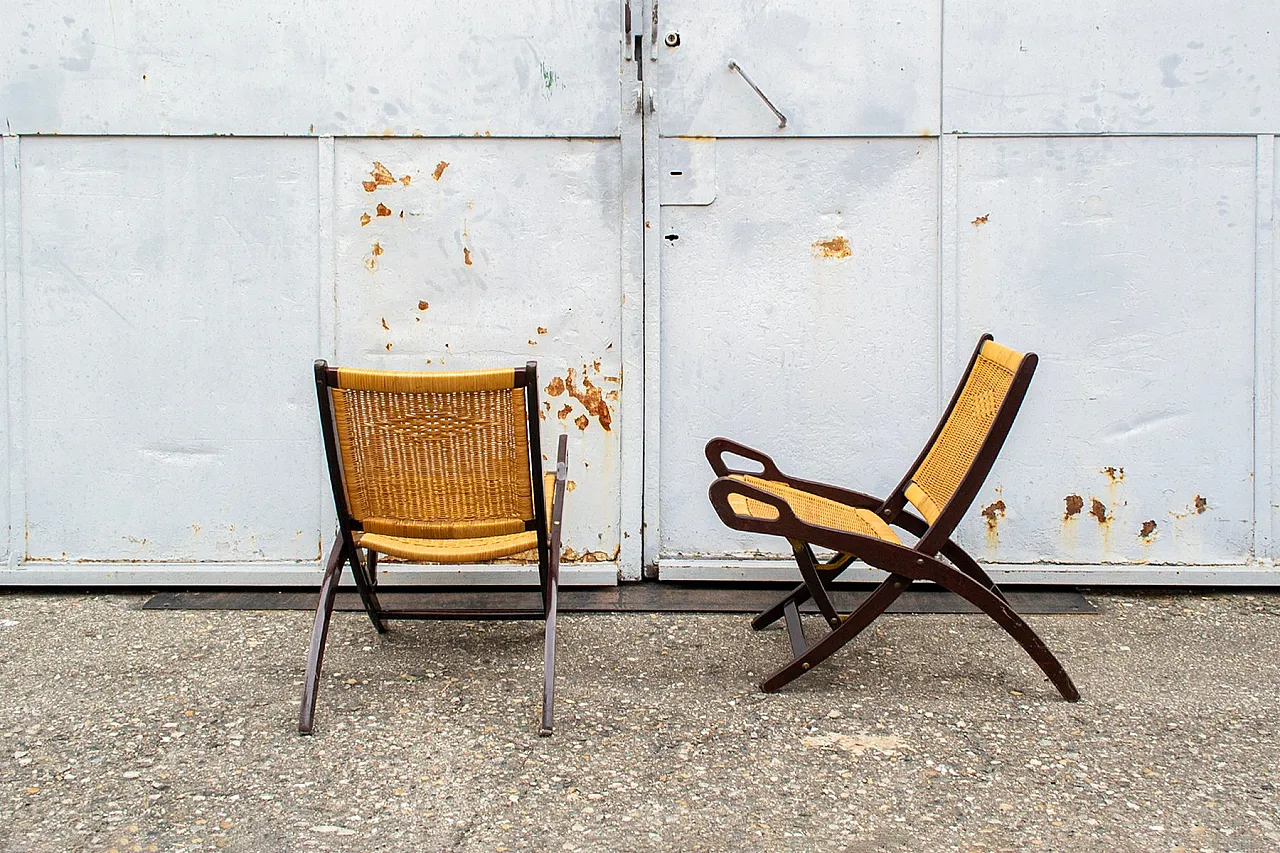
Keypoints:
pixel 782 120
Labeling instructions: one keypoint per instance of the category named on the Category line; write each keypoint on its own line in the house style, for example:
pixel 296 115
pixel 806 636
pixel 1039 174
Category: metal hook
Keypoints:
pixel 782 120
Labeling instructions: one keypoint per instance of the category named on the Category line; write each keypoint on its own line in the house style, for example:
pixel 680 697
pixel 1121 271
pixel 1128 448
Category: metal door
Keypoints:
pixel 198 201
pixel 848 199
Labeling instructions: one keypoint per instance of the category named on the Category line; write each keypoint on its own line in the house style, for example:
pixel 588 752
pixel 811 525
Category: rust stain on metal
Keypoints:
pixel 371 262
pixel 1075 503
pixel 382 177
pixel 406 180
pixel 613 379
pixel 383 210
pixel 612 395
pixel 981 220
pixel 1201 504
pixel 591 398
pixel 1098 510
pixel 377 249
pixel 582 422
pixel 565 412
pixel 532 342
pixel 542 330
pixel 365 219
pixel 555 387
pixel 388 346
pixel 993 512
pixel 423 305
pixel 440 167
pixel 466 256
pixel 596 364
pixel 570 485
pixel 384 324
pixel 836 247
pixel 1114 474
pixel 1148 528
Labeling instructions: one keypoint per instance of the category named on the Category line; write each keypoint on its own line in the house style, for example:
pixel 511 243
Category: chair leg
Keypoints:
pixel 962 561
pixel 817 589
pixel 552 591
pixel 801 593
pixel 875 604
pixel 319 632
pixel 368 596
pixel 1014 625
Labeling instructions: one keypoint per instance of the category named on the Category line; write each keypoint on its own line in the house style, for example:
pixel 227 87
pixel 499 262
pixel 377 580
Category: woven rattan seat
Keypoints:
pixel 941 485
pixel 437 468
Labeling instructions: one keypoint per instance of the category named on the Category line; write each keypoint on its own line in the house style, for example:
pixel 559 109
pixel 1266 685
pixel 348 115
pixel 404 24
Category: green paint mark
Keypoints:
pixel 548 76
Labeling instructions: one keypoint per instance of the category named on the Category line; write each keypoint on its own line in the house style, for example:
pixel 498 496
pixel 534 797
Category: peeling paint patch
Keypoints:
pixel 836 247
pixel 565 412
pixel 365 219
pixel 591 398
pixel 440 167
pixel 1148 528
pixel 1200 504
pixel 582 422
pixel 993 512
pixel 382 177
pixel 555 387
pixel 383 210
pixel 1114 474
pixel 466 256
pixel 1075 503
pixel 423 305
pixel 1098 510
pixel 981 220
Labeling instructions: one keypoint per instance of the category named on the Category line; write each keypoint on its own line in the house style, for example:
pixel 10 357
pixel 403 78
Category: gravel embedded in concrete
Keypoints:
pixel 142 730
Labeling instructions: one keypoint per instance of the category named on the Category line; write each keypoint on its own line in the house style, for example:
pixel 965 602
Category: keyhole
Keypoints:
pixel 673 237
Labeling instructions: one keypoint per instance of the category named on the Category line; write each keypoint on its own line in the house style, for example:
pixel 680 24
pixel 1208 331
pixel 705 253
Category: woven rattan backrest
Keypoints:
pixel 966 429
pixel 437 455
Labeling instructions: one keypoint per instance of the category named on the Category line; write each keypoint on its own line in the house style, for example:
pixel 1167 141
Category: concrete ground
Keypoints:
pixel 131 730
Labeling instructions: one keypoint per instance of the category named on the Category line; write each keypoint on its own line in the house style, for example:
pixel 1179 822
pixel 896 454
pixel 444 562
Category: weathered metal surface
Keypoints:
pixel 298 67
pixel 799 315
pixel 168 317
pixel 832 69
pixel 1127 264
pixel 481 252
pixel 1112 66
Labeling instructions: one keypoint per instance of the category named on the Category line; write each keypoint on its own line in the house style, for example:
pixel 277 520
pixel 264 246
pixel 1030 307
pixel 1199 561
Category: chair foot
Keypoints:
pixel 319 633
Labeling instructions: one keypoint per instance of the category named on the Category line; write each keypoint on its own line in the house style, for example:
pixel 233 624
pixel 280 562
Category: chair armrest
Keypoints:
pixel 717 447
pixel 848 497
pixel 719 494
pixel 553 493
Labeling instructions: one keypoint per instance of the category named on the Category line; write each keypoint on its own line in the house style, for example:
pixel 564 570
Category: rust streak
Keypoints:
pixel 1098 510
pixel 1148 527
pixel 383 210
pixel 466 256
pixel 981 220
pixel 440 167
pixel 565 412
pixel 591 398
pixel 1201 504
pixel 581 421
pixel 993 513
pixel 365 219
pixel 1075 503
pixel 836 247
pixel 382 177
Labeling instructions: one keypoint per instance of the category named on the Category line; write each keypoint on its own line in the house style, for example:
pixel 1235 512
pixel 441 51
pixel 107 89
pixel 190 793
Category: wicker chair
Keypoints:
pixel 441 468
pixel 942 484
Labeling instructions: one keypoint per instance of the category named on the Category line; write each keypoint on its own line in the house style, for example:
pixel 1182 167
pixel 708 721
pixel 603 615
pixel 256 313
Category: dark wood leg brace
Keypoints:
pixel 319 632
pixel 802 593
pixel 364 586
pixel 805 659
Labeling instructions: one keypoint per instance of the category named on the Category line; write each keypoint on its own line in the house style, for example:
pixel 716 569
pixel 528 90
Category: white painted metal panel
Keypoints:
pixel 486 252
pixel 169 320
pixel 833 69
pixel 799 315
pixel 1111 66
pixel 1127 264
pixel 294 67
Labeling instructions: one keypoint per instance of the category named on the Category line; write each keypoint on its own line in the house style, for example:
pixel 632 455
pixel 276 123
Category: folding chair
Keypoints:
pixel 942 483
pixel 442 468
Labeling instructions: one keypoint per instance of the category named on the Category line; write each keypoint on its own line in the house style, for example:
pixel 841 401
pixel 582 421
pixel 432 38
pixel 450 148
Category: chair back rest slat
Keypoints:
pixel 435 455
pixel 965 432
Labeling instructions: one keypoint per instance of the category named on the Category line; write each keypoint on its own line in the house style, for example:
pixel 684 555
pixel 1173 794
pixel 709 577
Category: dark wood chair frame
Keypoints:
pixel 934 557
pixel 345 551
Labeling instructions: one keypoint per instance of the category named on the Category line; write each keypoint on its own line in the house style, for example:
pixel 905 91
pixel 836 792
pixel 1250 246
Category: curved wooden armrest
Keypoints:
pixel 848 497
pixel 717 447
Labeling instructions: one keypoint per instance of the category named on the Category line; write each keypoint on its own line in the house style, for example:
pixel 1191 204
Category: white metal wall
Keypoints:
pixel 1097 185
pixel 198 201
